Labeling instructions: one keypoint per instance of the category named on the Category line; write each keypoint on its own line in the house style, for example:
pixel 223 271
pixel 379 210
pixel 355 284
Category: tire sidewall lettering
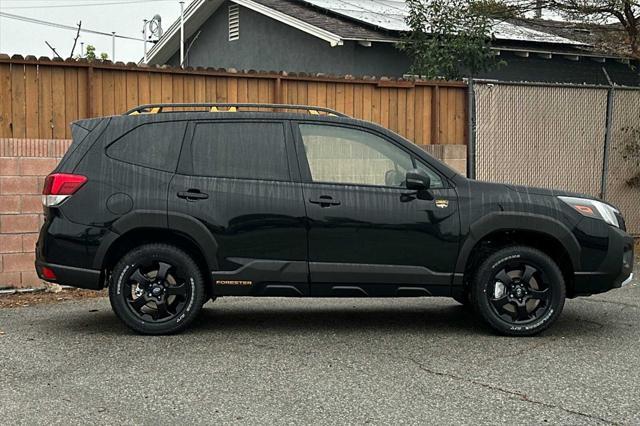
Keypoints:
pixel 182 316
pixel 120 282
pixel 505 259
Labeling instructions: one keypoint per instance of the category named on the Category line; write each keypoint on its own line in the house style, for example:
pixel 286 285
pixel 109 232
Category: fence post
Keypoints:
pixel 89 91
pixel 607 143
pixel 435 115
pixel 471 142
pixel 277 88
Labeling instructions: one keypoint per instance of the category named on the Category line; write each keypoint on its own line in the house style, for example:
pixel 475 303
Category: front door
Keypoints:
pixel 369 234
pixel 236 178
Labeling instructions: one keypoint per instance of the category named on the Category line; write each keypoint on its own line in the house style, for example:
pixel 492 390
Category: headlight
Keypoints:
pixel 594 209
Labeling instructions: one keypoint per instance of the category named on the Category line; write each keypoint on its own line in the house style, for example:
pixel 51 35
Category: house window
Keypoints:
pixel 234 22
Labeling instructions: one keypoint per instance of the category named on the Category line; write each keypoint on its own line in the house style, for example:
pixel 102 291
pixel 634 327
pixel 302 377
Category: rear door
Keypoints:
pixel 240 179
pixel 369 234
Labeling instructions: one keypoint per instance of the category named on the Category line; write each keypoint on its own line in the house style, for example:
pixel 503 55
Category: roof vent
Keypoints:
pixel 234 22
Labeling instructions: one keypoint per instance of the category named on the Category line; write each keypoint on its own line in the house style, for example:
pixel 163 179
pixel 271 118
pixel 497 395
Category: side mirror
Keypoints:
pixel 417 180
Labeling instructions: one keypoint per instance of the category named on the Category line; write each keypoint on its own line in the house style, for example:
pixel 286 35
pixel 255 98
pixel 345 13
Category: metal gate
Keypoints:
pixel 556 136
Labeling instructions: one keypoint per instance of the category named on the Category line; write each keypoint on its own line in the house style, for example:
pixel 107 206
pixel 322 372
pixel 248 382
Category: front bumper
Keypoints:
pixel 627 281
pixel 615 270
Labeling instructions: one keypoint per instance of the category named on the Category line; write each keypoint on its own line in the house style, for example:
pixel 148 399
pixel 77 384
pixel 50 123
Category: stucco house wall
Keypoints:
pixel 266 44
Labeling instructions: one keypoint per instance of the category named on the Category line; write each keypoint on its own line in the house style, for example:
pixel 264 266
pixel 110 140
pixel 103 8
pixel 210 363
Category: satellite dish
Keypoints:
pixel 155 26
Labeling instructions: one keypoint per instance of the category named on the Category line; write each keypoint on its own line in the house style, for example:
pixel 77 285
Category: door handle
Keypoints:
pixel 192 195
pixel 325 201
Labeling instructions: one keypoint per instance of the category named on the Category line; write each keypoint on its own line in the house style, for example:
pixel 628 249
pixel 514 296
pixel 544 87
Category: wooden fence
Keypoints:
pixel 39 98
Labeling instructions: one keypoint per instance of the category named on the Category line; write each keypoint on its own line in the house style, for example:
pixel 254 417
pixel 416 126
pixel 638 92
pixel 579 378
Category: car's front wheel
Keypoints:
pixel 518 291
pixel 157 289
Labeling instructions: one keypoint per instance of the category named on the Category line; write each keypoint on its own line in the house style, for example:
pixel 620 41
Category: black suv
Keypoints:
pixel 172 208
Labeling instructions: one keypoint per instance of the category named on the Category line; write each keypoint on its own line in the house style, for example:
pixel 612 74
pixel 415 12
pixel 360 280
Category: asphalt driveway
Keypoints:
pixel 332 361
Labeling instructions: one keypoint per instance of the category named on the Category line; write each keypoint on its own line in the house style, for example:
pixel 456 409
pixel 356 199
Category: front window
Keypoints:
pixel 349 156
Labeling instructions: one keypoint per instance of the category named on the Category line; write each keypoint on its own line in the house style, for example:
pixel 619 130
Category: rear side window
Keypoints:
pixel 240 150
pixel 154 145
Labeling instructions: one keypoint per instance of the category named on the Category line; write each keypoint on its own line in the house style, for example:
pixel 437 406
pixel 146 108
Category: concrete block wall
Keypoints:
pixel 455 156
pixel 24 163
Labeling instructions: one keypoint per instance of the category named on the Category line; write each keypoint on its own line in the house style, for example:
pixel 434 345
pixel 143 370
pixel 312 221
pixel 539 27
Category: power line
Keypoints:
pixel 65 27
pixel 54 6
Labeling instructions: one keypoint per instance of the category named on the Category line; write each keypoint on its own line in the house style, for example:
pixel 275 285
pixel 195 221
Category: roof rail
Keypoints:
pixel 230 107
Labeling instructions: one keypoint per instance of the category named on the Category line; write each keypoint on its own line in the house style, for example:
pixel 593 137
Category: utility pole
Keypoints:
pixel 113 46
pixel 144 38
pixel 181 33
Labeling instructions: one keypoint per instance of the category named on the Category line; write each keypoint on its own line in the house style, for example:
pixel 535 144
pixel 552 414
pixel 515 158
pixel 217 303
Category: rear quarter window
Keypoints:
pixel 153 145
pixel 241 150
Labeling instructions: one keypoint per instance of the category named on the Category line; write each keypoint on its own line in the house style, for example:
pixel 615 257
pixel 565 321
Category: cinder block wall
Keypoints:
pixel 454 155
pixel 23 165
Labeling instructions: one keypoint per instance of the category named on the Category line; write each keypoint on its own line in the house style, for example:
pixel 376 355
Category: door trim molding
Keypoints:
pixel 366 273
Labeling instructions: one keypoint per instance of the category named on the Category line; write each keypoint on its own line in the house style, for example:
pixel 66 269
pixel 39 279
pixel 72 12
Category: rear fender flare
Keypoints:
pixel 199 233
pixel 182 224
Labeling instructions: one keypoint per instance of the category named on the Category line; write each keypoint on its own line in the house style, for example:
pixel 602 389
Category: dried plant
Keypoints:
pixel 630 151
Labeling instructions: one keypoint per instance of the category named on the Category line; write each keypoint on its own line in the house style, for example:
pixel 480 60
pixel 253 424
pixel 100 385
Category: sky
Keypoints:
pixel 122 16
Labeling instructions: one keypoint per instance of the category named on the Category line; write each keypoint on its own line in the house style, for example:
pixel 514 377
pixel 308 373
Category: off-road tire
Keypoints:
pixel 183 265
pixel 483 303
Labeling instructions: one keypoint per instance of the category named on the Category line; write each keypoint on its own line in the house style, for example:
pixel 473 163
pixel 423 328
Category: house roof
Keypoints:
pixel 346 28
pixel 336 21
pixel 390 15
pixel 604 39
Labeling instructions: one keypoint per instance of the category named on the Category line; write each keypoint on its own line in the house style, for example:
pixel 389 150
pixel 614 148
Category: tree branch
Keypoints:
pixel 52 48
pixel 75 40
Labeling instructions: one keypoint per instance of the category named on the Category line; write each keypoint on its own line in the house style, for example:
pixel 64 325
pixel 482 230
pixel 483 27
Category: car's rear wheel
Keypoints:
pixel 518 291
pixel 157 289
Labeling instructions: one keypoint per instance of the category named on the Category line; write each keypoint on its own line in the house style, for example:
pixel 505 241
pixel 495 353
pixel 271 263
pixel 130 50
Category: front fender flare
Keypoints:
pixel 505 221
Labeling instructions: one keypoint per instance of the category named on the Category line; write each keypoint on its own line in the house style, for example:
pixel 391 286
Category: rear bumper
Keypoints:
pixel 74 277
pixel 615 271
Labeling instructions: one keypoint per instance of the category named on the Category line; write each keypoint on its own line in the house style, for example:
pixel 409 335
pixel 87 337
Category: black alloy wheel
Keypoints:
pixel 155 292
pixel 157 289
pixel 518 291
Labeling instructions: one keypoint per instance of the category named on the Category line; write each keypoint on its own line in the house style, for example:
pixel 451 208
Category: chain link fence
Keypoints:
pixel 625 116
pixel 556 136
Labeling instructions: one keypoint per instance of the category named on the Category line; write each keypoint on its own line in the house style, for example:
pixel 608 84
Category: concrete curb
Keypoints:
pixel 30 290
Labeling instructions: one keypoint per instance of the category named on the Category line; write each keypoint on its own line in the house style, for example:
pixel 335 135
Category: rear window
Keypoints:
pixel 154 145
pixel 240 150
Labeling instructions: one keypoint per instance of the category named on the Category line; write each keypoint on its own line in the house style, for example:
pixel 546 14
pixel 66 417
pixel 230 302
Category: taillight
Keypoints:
pixel 60 186
pixel 48 274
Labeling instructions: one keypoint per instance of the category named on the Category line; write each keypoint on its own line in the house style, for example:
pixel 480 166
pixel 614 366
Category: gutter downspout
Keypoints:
pixel 181 33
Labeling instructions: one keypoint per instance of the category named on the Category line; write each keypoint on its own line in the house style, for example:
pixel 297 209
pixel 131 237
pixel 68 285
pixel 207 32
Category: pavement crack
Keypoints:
pixel 588 321
pixel 521 396
pixel 611 302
